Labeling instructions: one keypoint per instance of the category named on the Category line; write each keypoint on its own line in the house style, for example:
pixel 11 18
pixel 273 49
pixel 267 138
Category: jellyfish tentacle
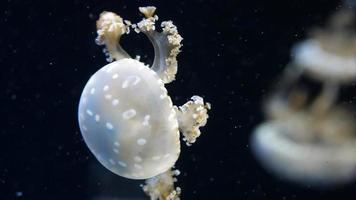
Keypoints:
pixel 166 44
pixel 326 99
pixel 110 28
pixel 161 187
pixel 191 116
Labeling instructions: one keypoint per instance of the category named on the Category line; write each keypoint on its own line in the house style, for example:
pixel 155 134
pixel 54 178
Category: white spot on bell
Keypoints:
pixel 108 96
pixel 89 112
pixel 122 164
pixel 97 118
pixel 141 141
pixel 146 120
pixel 115 102
pixel 106 88
pixel 112 161
pixel 131 80
pixel 129 114
pixel 115 76
pixel 109 126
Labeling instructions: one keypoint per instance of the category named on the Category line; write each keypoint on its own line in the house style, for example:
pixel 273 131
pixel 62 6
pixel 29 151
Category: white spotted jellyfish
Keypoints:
pixel 126 117
pixel 312 140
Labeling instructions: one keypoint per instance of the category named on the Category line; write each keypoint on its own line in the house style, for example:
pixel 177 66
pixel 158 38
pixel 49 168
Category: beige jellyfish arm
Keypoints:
pixel 166 44
pixel 191 116
pixel 110 28
pixel 162 186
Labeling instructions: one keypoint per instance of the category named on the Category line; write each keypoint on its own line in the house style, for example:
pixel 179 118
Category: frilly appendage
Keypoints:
pixel 161 187
pixel 167 44
pixel 110 28
pixel 191 116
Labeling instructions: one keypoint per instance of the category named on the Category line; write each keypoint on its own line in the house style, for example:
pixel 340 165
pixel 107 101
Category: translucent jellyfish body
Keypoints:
pixel 128 120
pixel 324 65
pixel 330 53
pixel 311 138
pixel 125 115
pixel 310 144
pixel 289 150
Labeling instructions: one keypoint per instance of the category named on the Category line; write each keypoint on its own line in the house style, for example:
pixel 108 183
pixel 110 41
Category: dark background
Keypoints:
pixel 233 52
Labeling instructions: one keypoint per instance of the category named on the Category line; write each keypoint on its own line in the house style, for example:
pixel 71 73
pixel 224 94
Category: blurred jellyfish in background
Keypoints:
pixel 310 138
pixel 126 117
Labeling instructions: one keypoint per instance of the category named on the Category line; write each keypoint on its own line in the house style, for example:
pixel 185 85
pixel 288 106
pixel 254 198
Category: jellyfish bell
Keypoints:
pixel 322 64
pixel 330 53
pixel 126 117
pixel 307 139
pixel 293 150
pixel 123 108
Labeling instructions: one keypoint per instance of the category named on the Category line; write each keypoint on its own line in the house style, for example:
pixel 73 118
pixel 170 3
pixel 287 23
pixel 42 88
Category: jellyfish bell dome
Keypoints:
pixel 292 150
pixel 322 64
pixel 330 53
pixel 128 120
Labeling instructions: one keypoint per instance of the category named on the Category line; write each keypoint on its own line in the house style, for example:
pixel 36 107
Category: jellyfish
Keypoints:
pixel 312 140
pixel 330 53
pixel 127 118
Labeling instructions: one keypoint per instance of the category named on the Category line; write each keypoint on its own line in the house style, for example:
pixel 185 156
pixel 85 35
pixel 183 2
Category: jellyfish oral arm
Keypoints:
pixel 326 99
pixel 110 28
pixel 166 44
pixel 165 63
pixel 162 186
pixel 191 116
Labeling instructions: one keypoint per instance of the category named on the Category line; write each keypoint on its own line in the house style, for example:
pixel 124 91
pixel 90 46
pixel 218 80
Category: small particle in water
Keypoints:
pixel 19 194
